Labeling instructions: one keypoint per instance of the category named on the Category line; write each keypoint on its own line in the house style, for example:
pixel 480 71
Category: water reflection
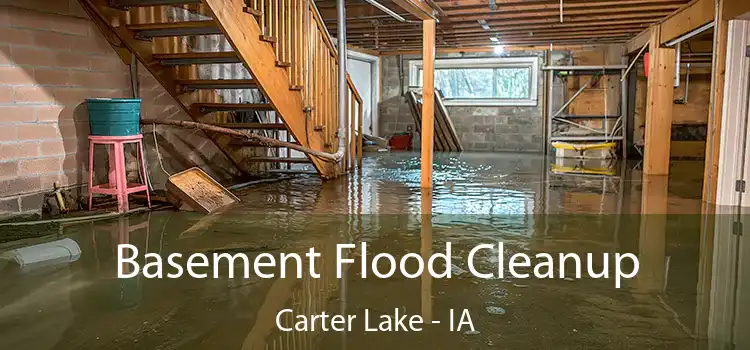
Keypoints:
pixel 691 291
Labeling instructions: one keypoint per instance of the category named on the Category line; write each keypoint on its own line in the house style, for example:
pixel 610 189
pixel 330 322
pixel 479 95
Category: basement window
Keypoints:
pixel 497 81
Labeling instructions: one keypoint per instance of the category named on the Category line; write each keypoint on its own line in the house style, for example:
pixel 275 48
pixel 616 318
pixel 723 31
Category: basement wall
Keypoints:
pixel 495 129
pixel 51 58
pixel 480 128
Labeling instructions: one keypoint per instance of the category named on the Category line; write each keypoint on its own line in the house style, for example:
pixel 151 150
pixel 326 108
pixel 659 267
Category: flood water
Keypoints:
pixel 692 290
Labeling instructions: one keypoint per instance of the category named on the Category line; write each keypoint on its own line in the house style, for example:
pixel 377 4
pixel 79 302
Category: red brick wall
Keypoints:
pixel 52 58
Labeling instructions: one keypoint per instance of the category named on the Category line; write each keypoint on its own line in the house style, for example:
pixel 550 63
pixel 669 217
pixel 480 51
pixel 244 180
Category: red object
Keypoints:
pixel 118 183
pixel 646 59
pixel 400 142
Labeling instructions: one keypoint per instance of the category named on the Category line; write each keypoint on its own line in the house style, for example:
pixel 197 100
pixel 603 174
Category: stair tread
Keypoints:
pixel 188 58
pixel 218 83
pixel 171 29
pixel 280 159
pixel 258 126
pixel 214 54
pixel 147 3
pixel 233 106
pixel 171 25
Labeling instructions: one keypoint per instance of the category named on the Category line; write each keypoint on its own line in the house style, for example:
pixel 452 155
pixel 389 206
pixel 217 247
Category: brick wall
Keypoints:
pixel 52 58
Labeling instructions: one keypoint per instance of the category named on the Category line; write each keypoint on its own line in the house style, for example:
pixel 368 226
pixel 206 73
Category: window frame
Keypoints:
pixel 493 62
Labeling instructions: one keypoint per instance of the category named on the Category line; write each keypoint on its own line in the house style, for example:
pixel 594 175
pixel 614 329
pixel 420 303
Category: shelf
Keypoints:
pixel 588 117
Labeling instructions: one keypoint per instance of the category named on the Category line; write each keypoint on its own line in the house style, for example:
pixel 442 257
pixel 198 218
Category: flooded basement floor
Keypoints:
pixel 692 290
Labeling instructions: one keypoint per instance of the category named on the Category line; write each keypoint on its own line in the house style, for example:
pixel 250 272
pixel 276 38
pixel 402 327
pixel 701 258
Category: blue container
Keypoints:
pixel 114 116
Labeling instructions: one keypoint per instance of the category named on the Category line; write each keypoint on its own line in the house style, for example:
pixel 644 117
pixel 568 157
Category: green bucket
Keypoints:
pixel 114 116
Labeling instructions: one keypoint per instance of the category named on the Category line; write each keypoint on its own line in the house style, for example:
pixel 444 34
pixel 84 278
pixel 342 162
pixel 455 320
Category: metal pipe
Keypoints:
pixel 343 88
pixel 678 56
pixel 687 83
pixel 690 35
pixel 388 11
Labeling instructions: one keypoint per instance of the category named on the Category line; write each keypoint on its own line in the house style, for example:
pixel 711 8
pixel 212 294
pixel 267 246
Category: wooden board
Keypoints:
pixel 199 191
pixel 446 138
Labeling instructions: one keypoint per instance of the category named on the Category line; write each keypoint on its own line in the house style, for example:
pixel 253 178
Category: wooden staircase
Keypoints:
pixel 266 66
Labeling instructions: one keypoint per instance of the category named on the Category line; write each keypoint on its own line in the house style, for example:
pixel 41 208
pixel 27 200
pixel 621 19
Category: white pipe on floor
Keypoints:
pixel 64 250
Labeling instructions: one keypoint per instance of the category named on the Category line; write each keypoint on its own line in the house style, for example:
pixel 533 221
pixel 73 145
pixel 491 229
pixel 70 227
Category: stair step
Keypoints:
pixel 232 107
pixel 187 58
pixel 252 11
pixel 252 126
pixel 292 171
pixel 297 160
pixel 146 3
pixel 159 30
pixel 218 84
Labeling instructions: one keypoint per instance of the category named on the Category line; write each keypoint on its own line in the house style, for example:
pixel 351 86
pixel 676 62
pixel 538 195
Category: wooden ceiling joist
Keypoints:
pixel 513 22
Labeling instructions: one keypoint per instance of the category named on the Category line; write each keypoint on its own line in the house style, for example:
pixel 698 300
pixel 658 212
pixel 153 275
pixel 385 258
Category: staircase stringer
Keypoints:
pixel 109 24
pixel 244 34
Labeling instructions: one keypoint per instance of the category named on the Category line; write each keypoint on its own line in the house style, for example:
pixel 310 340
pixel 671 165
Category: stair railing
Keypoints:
pixel 303 44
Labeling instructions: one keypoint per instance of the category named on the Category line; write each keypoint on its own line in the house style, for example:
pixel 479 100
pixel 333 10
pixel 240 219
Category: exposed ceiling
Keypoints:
pixel 513 22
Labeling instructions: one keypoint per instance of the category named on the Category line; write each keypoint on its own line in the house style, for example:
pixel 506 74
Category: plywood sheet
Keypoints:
pixel 198 190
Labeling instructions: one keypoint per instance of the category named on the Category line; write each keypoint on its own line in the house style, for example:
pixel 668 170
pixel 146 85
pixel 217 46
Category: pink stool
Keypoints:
pixel 118 183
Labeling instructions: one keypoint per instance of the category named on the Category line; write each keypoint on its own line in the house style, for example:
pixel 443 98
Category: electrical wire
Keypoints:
pixel 158 154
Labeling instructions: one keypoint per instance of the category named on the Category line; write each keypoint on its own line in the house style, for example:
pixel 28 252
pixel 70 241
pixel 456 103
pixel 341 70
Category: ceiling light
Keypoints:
pixel 484 24
pixel 498 50
pixel 493 39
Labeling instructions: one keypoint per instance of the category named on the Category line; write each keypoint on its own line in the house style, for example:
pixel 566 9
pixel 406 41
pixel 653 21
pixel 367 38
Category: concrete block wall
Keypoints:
pixel 480 128
pixel 52 57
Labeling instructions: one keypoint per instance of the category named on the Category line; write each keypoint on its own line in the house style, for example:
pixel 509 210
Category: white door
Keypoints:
pixel 361 74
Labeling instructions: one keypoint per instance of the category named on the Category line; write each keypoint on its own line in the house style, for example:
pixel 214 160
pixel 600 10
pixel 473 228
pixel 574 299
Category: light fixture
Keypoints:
pixel 498 50
pixel 495 40
pixel 484 24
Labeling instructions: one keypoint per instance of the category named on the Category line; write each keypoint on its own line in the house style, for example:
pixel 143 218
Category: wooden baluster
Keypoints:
pixel 314 81
pixel 281 37
pixel 333 97
pixel 322 84
pixel 271 18
pixel 327 91
pixel 324 92
pixel 332 92
pixel 289 20
pixel 276 27
pixel 359 136
pixel 292 42
pixel 296 42
pixel 350 152
pixel 263 15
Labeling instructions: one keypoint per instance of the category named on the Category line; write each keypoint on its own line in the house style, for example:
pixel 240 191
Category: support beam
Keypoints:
pixel 652 238
pixel 428 100
pixel 686 19
pixel 418 8
pixel 659 103
pixel 716 114
pixel 639 41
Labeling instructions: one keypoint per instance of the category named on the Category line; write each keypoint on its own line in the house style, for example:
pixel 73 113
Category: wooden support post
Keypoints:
pixel 659 102
pixel 426 253
pixel 716 114
pixel 652 235
pixel 428 100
